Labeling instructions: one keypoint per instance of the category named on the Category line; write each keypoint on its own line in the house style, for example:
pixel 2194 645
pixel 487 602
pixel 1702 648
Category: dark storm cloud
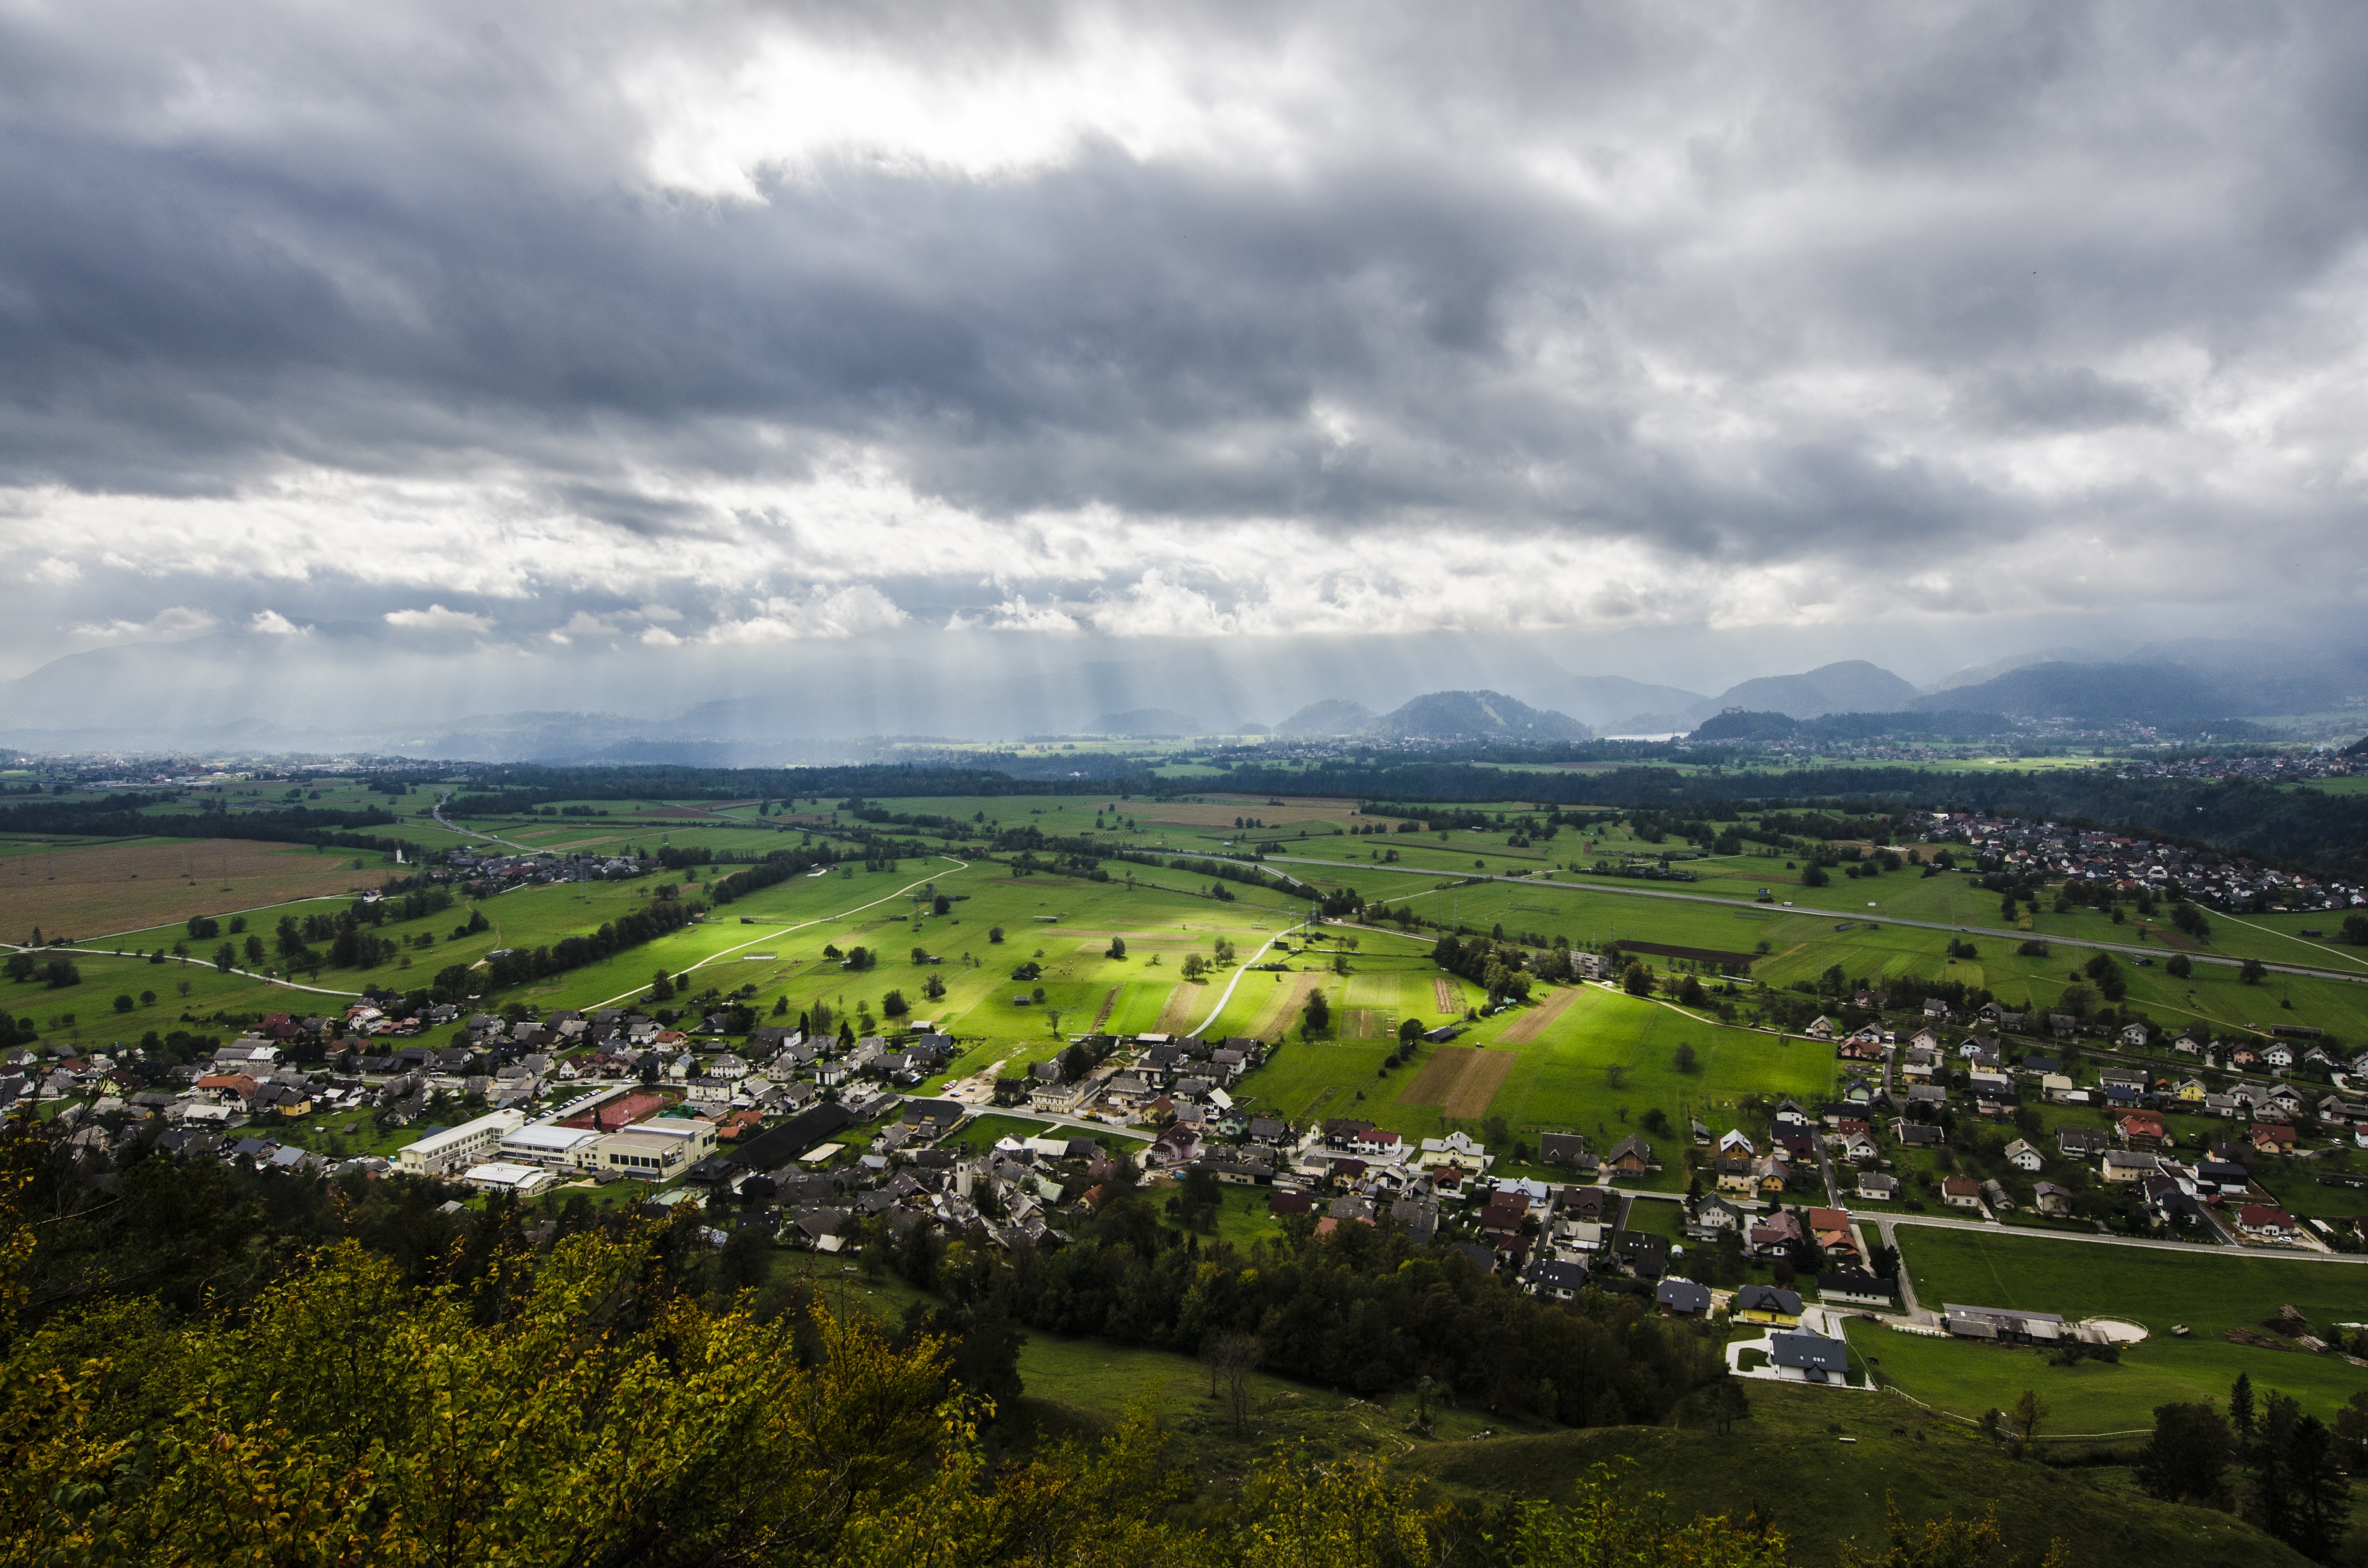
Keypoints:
pixel 1730 289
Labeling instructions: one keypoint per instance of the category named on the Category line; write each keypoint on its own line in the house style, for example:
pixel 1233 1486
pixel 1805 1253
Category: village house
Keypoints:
pixel 1777 1235
pixel 1767 1303
pixel 1631 1156
pixel 2268 1223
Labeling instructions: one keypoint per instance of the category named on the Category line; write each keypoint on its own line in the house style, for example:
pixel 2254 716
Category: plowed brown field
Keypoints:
pixel 1459 1080
pixel 95 890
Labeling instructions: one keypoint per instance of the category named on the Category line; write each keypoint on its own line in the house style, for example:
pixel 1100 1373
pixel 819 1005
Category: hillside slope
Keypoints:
pixel 1481 715
pixel 1852 685
pixel 1332 716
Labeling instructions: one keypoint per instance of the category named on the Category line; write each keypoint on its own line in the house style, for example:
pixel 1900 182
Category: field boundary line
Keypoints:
pixel 784 930
pixel 1724 902
pixel 1532 1024
pixel 242 973
pixel 1890 1387
pixel 2273 931
pixel 256 909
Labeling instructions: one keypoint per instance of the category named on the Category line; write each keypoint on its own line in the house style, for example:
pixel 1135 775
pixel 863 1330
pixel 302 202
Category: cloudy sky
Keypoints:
pixel 1697 336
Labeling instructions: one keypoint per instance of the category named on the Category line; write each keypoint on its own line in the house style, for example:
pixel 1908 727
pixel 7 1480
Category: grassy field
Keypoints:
pixel 2209 1292
pixel 1597 1066
pixel 2094 1398
pixel 2154 1289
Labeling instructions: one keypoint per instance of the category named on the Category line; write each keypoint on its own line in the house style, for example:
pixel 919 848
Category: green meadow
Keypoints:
pixel 2208 1293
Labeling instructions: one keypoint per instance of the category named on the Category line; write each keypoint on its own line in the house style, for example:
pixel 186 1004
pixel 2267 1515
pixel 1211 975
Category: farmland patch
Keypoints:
pixel 1459 1079
pixel 1530 1025
pixel 1696 955
pixel 93 890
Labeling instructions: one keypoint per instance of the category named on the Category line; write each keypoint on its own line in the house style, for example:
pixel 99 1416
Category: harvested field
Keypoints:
pixel 1445 995
pixel 1698 955
pixel 1365 1023
pixel 1527 1028
pixel 1459 1080
pixel 1289 998
pixel 1479 1084
pixel 1183 1009
pixel 89 892
pixel 1431 1082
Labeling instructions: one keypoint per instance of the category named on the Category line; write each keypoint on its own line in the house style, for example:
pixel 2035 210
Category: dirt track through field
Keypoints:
pixel 1182 1008
pixel 98 890
pixel 1530 1025
pixel 1444 994
pixel 1109 1002
pixel 1459 1080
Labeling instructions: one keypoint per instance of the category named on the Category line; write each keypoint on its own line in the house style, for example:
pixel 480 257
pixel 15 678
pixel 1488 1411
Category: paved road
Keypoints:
pixel 774 933
pixel 1885 1222
pixel 1245 969
pixel 436 812
pixel 1055 1120
pixel 247 974
pixel 2142 951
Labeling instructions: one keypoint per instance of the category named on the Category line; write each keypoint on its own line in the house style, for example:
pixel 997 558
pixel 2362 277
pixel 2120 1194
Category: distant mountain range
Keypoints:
pixel 1438 716
pixel 349 688
pixel 1852 685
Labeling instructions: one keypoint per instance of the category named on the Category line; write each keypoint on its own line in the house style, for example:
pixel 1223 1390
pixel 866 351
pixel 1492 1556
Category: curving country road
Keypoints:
pixel 1227 995
pixel 244 973
pixel 436 812
pixel 775 931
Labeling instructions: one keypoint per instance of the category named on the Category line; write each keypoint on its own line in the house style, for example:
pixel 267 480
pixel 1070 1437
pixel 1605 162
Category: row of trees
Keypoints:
pixel 520 964
pixel 1363 1309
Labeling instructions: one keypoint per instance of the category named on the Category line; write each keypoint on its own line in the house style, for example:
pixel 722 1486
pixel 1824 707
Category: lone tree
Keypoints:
pixel 2188 1456
pixel 1231 1358
pixel 2030 1413
pixel 1727 1403
pixel 1319 1016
